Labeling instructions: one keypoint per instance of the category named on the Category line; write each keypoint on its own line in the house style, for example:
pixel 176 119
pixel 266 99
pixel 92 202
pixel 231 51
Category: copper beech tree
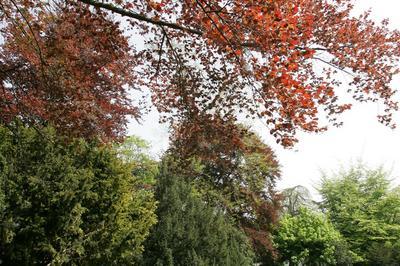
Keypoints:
pixel 69 62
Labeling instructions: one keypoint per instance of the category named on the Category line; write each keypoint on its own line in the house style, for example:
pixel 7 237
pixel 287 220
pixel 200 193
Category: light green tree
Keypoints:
pixel 136 152
pixel 364 209
pixel 307 238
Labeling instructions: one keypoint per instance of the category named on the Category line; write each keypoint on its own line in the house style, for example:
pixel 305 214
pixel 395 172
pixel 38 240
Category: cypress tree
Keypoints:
pixel 190 232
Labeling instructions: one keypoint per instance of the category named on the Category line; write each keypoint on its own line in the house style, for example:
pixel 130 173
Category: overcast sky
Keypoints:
pixel 361 137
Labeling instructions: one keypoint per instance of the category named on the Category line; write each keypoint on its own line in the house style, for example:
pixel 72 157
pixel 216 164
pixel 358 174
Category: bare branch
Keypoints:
pixel 334 66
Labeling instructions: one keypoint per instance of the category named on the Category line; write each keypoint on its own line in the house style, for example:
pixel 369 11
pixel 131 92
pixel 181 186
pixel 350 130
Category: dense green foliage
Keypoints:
pixel 70 203
pixel 365 210
pixel 306 238
pixel 189 231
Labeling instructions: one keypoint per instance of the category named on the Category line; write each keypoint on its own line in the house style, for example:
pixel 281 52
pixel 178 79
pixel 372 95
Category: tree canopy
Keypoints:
pixel 67 66
pixel 196 58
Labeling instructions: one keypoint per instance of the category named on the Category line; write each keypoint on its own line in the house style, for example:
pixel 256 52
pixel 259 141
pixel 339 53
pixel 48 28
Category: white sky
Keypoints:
pixel 361 137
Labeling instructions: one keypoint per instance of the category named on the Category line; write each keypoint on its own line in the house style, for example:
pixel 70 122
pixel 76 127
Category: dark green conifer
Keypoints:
pixel 189 232
pixel 69 203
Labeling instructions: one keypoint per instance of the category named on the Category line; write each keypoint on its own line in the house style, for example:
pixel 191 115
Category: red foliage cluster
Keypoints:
pixel 67 66
pixel 259 58
pixel 220 57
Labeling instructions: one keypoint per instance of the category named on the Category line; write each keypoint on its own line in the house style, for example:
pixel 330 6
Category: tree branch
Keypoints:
pixel 334 66
pixel 126 13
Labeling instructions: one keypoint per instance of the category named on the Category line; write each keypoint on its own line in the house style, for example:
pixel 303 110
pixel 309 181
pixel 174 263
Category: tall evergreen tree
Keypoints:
pixel 189 231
